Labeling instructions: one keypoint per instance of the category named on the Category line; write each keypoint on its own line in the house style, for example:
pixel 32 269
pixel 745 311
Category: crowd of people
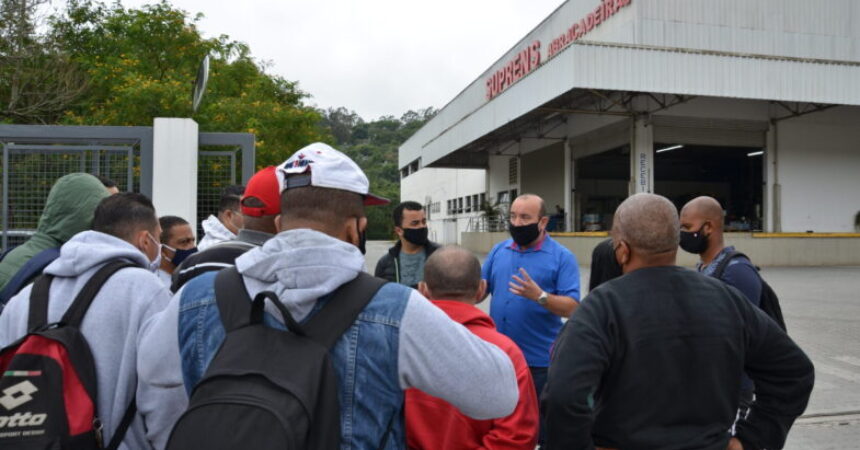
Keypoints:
pixel 268 333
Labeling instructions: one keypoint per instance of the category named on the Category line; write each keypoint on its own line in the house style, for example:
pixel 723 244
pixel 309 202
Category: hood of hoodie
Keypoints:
pixel 70 206
pixel 464 313
pixel 300 266
pixel 68 210
pixel 214 229
pixel 92 248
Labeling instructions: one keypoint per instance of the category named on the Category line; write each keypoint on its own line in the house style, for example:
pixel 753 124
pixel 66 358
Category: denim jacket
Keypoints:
pixel 364 358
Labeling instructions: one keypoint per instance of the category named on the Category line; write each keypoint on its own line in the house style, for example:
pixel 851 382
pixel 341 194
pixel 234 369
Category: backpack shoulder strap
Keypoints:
pixel 234 303
pixel 342 309
pixel 28 273
pixel 721 267
pixel 38 316
pixel 75 314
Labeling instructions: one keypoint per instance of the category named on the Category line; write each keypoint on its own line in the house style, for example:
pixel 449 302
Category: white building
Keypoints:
pixel 452 199
pixel 754 102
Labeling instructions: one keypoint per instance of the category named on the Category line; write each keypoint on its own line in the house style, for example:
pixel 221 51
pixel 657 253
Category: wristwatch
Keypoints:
pixel 543 299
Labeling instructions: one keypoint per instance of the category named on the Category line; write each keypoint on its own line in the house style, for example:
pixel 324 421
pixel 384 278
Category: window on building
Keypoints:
pixel 460 205
pixel 450 208
pixel 404 172
pixel 468 204
pixel 483 200
pixel 513 170
pixel 475 205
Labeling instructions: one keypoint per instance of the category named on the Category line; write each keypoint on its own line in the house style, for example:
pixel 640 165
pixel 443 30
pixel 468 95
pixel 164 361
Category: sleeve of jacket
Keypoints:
pixel 381 267
pixel 783 377
pixel 519 431
pixel 581 356
pixel 445 360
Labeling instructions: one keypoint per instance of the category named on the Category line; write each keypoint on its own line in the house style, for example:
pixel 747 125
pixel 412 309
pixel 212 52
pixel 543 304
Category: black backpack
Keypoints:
pixel 267 388
pixel 769 302
pixel 48 381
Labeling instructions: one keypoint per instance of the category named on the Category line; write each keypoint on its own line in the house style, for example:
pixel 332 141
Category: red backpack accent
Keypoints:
pixel 48 384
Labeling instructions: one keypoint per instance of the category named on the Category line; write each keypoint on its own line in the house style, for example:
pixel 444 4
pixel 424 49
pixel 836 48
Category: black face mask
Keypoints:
pixel 417 236
pixel 694 241
pixel 524 235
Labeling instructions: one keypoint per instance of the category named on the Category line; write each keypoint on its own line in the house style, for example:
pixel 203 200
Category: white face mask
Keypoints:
pixel 154 264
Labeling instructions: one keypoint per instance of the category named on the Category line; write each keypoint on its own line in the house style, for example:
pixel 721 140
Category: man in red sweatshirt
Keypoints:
pixel 452 281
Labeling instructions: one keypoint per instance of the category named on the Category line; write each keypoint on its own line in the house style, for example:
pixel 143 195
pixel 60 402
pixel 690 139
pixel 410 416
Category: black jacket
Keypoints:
pixel 388 266
pixel 217 257
pixel 653 359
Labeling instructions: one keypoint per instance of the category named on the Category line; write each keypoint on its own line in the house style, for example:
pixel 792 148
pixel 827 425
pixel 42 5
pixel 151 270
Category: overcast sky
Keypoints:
pixel 376 57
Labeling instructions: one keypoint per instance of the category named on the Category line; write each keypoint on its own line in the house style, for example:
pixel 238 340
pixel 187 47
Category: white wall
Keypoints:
pixel 429 185
pixel 543 175
pixel 819 169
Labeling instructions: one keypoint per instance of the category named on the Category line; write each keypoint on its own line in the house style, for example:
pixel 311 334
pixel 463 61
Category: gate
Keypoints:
pixel 222 157
pixel 35 156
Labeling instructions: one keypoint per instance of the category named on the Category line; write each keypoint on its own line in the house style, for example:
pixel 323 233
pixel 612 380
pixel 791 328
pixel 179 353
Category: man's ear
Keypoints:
pixel 623 254
pixel 398 231
pixel 543 222
pixel 482 292
pixel 354 227
pixel 278 223
pixel 423 289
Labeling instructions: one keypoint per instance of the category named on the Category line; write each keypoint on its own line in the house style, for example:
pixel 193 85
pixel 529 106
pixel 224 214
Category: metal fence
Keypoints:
pixel 217 170
pixel 29 171
pixel 35 156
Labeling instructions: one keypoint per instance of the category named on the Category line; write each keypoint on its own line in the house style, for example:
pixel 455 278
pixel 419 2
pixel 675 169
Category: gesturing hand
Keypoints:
pixel 525 286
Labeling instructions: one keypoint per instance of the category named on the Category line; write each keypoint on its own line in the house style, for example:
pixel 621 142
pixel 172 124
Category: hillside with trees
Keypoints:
pixel 104 64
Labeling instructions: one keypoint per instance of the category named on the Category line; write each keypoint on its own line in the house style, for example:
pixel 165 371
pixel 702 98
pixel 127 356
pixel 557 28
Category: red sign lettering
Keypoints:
pixel 602 13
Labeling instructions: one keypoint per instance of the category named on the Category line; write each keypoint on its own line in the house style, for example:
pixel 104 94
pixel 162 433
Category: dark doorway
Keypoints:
pixel 732 175
pixel 602 183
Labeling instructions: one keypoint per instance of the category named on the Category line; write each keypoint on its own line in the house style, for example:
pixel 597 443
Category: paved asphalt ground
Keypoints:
pixel 822 312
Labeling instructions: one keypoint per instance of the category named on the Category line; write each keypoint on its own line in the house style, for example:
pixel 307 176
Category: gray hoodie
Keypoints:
pixel 436 354
pixel 111 325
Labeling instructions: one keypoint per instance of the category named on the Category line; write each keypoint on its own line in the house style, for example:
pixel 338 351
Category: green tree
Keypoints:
pixel 141 64
pixel 37 80
pixel 374 146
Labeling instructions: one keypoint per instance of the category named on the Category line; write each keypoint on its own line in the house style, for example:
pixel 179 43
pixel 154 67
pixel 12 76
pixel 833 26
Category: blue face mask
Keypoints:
pixel 180 255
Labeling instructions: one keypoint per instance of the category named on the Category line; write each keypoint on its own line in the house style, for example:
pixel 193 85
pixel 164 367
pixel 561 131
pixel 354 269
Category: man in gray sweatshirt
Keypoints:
pixel 400 340
pixel 125 227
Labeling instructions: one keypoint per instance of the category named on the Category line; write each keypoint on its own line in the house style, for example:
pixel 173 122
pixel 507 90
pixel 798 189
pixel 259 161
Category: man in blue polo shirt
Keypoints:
pixel 534 282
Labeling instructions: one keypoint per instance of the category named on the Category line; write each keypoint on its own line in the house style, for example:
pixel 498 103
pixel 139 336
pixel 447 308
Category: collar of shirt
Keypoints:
pixel 257 238
pixel 536 248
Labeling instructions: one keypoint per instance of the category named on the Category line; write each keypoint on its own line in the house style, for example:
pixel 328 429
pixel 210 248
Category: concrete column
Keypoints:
pixel 642 157
pixel 568 186
pixel 773 192
pixel 174 168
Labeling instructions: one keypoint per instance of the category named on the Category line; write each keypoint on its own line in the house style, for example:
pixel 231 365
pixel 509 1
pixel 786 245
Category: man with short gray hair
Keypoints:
pixel 653 359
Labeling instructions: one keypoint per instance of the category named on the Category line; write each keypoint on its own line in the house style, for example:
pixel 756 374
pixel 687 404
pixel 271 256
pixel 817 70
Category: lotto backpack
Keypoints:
pixel 48 387
pixel 268 388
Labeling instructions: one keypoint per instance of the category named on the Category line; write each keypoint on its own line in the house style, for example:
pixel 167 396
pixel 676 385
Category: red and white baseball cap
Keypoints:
pixel 326 168
pixel 264 187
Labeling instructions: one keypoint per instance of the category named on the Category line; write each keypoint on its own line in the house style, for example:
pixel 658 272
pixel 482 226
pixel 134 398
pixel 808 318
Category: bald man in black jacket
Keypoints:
pixel 653 359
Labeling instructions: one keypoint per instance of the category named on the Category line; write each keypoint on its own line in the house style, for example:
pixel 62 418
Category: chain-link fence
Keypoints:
pixel 29 172
pixel 34 157
pixel 217 170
